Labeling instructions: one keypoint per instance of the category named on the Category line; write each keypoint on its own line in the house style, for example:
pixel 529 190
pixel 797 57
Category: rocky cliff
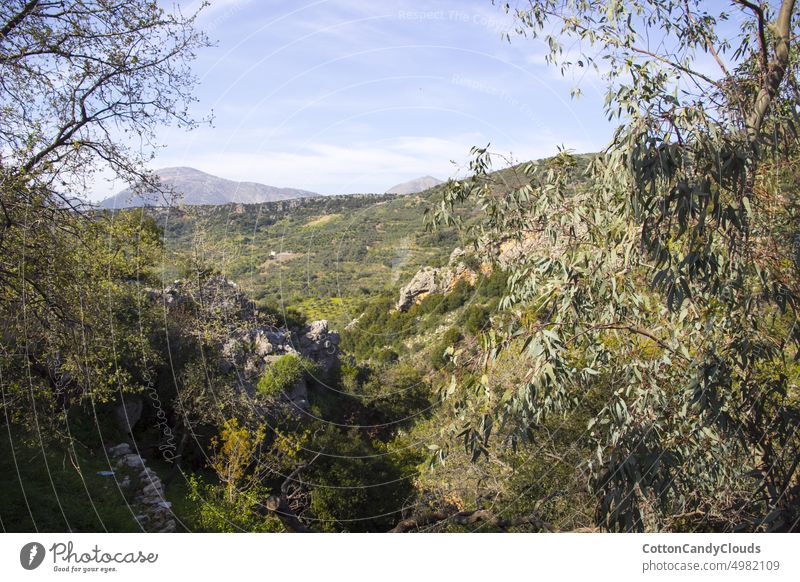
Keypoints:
pixel 225 318
pixel 436 280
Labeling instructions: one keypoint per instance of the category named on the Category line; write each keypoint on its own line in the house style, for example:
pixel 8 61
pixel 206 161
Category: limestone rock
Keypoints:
pixel 436 280
pixel 248 342
pixel 119 450
pixel 128 413
pixel 425 282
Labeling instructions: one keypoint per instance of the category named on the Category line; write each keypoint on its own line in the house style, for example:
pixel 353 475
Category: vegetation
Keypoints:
pixel 283 373
pixel 663 286
pixel 625 359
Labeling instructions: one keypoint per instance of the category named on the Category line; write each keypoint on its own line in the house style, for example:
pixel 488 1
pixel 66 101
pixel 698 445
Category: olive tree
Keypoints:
pixel 664 276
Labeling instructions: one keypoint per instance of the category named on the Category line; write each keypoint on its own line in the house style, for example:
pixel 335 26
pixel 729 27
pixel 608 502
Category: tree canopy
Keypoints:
pixel 669 284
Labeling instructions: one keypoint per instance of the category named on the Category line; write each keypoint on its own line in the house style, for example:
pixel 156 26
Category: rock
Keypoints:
pixel 263 346
pixel 169 527
pixel 248 342
pixel 425 282
pixel 456 256
pixel 131 460
pixel 147 475
pixel 298 394
pixel 128 413
pixel 154 488
pixel 433 281
pixel 154 512
pixel 119 450
pixel 317 330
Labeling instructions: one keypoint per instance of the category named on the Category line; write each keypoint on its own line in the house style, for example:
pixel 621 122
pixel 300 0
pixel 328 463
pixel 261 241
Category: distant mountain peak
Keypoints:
pixel 195 187
pixel 414 186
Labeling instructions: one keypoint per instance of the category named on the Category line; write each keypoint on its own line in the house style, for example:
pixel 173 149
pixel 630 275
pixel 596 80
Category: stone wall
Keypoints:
pixel 143 489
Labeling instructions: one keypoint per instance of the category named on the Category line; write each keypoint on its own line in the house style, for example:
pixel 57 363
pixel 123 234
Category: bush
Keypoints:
pixel 357 491
pixel 460 294
pixel 386 356
pixel 215 511
pixel 475 319
pixel 281 374
pixel 397 393
pixel 451 337
pixel 494 285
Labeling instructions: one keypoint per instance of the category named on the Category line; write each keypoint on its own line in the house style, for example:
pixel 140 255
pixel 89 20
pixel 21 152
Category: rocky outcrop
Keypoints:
pixel 320 344
pixel 246 340
pixel 143 489
pixel 216 296
pixel 436 280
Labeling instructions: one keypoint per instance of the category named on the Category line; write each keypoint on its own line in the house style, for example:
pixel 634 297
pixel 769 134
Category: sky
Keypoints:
pixel 343 96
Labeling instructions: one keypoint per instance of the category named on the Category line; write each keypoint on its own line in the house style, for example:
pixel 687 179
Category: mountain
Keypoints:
pixel 414 186
pixel 198 188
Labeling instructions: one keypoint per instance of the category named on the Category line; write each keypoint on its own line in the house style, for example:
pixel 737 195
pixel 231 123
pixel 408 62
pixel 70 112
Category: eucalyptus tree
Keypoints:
pixel 665 277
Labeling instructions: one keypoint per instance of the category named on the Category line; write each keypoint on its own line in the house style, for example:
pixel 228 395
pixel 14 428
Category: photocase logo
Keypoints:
pixel 31 555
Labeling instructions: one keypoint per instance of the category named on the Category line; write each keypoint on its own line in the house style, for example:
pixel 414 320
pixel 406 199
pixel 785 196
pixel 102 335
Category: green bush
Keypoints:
pixel 397 393
pixel 475 319
pixel 359 490
pixel 281 374
pixel 492 286
pixel 451 337
pixel 215 511
pixel 386 356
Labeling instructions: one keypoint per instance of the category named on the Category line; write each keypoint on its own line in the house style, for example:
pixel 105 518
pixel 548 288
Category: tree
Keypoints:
pixel 664 277
pixel 84 86
pixel 85 80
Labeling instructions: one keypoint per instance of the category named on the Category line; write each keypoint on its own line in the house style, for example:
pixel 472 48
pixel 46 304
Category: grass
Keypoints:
pixel 59 490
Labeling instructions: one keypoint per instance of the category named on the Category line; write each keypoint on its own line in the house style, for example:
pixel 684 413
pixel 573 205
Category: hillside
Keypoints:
pixel 322 256
pixel 318 255
pixel 193 187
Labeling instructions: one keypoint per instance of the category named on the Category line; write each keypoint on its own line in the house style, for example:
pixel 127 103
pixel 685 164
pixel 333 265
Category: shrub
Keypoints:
pixel 281 374
pixel 475 319
pixel 386 356
pixel 451 337
pixel 494 285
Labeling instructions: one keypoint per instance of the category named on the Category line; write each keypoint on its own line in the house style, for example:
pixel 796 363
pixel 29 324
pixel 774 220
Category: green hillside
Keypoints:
pixel 318 255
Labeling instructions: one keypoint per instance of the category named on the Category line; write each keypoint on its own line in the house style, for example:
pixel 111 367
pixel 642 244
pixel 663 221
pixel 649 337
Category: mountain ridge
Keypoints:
pixel 194 187
pixel 415 186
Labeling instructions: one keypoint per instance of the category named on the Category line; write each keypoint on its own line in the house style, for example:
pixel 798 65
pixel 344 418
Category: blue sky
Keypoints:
pixel 340 96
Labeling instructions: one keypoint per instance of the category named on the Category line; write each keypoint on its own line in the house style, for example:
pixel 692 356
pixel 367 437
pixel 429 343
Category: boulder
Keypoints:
pixel 131 461
pixel 128 413
pixel 425 282
pixel 119 450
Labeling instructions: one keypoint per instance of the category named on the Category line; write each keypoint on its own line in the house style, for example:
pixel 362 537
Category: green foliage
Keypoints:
pixel 280 375
pixel 57 489
pixel 215 510
pixel 450 338
pixel 655 273
pixel 370 241
pixel 398 394
pixel 476 318
pixel 493 286
pixel 358 490
pixel 386 356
